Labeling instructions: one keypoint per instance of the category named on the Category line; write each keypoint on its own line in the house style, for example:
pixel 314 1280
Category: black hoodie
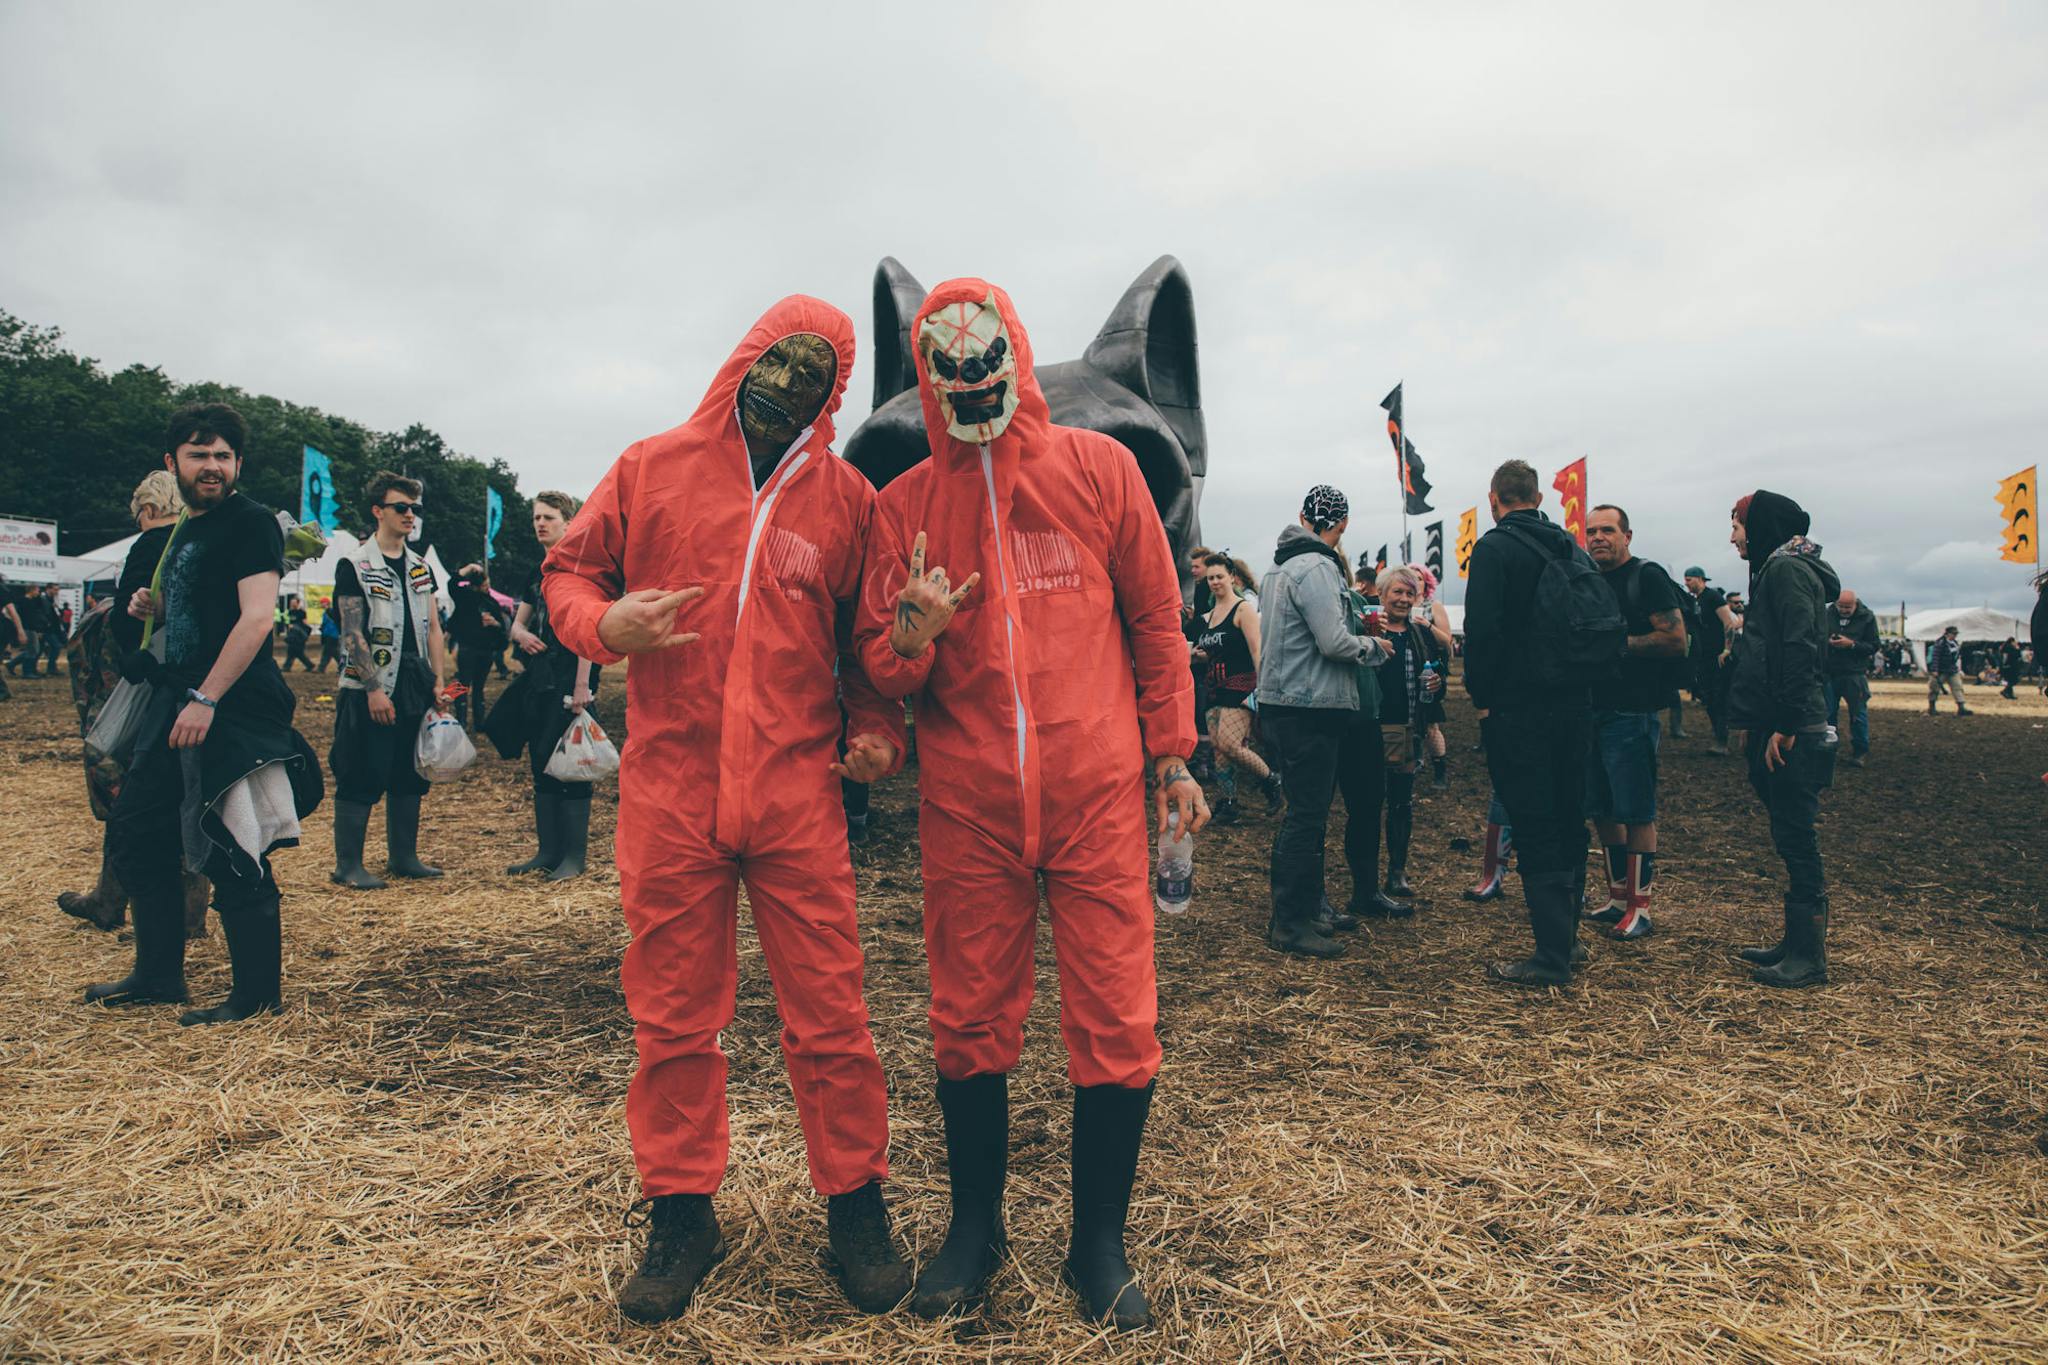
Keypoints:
pixel 1777 684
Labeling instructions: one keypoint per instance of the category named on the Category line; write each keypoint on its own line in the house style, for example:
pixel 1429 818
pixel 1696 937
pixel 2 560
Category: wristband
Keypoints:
pixel 196 695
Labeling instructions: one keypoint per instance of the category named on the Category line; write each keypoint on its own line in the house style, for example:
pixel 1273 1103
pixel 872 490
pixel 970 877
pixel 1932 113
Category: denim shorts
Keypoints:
pixel 1621 767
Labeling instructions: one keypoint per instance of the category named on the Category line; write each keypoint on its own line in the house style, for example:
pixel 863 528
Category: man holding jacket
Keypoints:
pixel 1777 696
pixel 1308 706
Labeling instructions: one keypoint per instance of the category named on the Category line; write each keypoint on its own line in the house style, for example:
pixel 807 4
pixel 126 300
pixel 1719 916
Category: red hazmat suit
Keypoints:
pixel 726 770
pixel 1037 709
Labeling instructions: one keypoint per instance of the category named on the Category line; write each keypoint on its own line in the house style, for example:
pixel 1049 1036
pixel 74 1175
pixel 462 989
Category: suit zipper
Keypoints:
pixel 995 517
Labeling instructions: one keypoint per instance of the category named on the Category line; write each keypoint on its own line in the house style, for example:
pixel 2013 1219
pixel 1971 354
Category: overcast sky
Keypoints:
pixel 1709 247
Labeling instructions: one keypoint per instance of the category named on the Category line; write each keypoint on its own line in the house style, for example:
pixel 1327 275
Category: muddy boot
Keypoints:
pixel 1554 905
pixel 1300 939
pixel 255 952
pixel 547 828
pixel 402 837
pixel 197 891
pixel 103 907
pixel 1330 921
pixel 871 1271
pixel 575 823
pixel 1109 1123
pixel 683 1243
pixel 159 975
pixel 351 824
pixel 1275 793
pixel 977 1112
pixel 1805 962
pixel 1225 811
pixel 1397 883
pixel 1379 905
pixel 1771 956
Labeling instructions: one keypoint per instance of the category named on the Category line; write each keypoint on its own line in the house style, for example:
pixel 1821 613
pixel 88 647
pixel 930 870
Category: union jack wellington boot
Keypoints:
pixel 1635 919
pixel 1617 888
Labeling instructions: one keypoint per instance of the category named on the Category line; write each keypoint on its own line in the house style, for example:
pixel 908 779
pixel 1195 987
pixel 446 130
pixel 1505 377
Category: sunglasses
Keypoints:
pixel 403 509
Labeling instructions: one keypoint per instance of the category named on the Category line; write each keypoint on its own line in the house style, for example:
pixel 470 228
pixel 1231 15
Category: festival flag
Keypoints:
pixel 1407 464
pixel 2019 497
pixel 1433 549
pixel 317 504
pixel 1468 536
pixel 1570 484
pixel 494 517
pixel 1380 560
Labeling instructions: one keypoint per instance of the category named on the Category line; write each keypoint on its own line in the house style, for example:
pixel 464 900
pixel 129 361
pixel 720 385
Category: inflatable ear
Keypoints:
pixel 897 296
pixel 1148 346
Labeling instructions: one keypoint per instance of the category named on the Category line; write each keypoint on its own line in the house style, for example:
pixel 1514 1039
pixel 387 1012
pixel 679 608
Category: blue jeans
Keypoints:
pixel 1621 768
pixel 1855 691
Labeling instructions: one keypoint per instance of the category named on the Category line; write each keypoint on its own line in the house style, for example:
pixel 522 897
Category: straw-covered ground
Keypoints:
pixel 425 1157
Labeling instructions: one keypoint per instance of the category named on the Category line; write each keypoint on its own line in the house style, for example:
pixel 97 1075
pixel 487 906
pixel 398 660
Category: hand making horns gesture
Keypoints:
pixel 644 620
pixel 925 605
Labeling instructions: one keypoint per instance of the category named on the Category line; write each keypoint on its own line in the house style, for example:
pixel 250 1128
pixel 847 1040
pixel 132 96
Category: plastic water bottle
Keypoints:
pixel 1175 881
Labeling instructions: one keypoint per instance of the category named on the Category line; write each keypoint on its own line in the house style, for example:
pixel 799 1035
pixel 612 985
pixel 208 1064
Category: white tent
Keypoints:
pixel 315 573
pixel 1971 623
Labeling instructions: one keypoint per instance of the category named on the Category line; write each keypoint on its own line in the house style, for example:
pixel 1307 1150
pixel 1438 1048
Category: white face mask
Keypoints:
pixel 972 368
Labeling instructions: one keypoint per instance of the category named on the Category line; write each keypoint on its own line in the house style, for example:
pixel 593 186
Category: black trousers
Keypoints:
pixel 472 667
pixel 296 651
pixel 1362 778
pixel 1791 796
pixel 1537 758
pixel 1305 742
pixel 144 836
pixel 368 759
pixel 330 652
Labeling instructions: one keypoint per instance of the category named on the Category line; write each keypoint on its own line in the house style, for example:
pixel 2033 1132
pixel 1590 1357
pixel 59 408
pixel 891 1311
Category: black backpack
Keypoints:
pixel 1576 632
pixel 1671 672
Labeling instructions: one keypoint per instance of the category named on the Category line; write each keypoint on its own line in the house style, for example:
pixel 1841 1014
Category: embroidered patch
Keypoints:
pixel 1044 561
pixel 380 635
pixel 380 657
pixel 378 591
pixel 791 561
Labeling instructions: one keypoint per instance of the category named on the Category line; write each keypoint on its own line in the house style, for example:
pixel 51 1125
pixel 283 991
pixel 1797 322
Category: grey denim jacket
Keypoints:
pixel 1306 655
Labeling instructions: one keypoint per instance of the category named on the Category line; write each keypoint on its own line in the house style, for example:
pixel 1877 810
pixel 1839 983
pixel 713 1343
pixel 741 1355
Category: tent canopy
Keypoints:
pixel 312 574
pixel 1971 623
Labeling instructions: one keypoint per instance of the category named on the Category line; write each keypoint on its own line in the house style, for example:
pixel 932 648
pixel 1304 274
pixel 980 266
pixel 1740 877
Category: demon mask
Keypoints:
pixel 973 369
pixel 787 387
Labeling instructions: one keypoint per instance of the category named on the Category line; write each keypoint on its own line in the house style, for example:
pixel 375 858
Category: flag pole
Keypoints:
pixel 1401 462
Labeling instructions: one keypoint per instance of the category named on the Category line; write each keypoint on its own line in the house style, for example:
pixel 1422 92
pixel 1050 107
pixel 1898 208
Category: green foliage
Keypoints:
pixel 75 440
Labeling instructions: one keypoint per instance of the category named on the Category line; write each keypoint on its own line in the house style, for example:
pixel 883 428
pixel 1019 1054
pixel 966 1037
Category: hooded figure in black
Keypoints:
pixel 1777 696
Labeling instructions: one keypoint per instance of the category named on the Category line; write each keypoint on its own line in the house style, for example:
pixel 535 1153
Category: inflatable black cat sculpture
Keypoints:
pixel 1136 382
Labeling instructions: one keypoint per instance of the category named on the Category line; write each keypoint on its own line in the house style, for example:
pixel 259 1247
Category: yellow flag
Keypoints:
pixel 1468 536
pixel 2019 498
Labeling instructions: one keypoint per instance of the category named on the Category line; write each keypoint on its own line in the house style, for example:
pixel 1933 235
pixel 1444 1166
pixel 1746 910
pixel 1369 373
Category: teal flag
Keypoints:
pixel 317 503
pixel 494 517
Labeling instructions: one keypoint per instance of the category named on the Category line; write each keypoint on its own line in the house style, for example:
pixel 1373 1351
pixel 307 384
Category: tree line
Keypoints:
pixel 75 439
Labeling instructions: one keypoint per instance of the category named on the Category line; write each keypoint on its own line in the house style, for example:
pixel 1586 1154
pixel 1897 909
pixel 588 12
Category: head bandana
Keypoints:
pixel 786 388
pixel 1324 507
pixel 972 367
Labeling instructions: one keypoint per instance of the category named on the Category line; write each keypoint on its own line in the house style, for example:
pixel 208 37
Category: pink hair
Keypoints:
pixel 1422 572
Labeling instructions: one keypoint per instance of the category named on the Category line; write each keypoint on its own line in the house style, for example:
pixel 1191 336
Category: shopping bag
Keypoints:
pixel 110 744
pixel 443 750
pixel 585 754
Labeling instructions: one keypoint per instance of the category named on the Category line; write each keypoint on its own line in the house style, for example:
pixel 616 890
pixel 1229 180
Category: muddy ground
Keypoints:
pixel 425 1157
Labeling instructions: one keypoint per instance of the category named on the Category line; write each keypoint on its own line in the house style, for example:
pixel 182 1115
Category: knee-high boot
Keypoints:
pixel 351 827
pixel 575 826
pixel 159 974
pixel 402 837
pixel 547 827
pixel 1109 1124
pixel 977 1113
pixel 255 952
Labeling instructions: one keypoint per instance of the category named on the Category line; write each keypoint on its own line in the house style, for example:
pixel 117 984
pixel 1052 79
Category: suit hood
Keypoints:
pixel 719 414
pixel 1028 425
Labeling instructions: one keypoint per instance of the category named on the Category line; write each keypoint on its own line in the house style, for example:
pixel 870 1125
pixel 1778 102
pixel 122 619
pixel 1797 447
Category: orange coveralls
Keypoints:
pixel 726 769
pixel 1037 709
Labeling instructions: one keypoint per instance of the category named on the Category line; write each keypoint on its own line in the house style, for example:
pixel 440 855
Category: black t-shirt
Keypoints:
pixel 209 558
pixel 1712 634
pixel 1394 709
pixel 347 584
pixel 1640 682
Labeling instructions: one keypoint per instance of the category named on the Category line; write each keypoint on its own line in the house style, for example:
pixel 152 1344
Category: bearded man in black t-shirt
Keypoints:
pixel 1621 767
pixel 219 777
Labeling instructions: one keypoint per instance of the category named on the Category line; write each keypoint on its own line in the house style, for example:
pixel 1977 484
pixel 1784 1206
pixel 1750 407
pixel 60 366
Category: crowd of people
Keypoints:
pixel 780 614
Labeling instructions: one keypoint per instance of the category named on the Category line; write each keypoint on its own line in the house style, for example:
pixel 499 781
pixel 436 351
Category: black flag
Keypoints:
pixel 1381 561
pixel 1407 464
pixel 1433 554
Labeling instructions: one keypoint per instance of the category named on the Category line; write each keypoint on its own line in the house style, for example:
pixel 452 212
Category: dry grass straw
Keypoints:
pixel 1380 1157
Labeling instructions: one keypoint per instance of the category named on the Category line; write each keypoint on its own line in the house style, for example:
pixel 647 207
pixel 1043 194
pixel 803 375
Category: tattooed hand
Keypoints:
pixel 1179 792
pixel 925 605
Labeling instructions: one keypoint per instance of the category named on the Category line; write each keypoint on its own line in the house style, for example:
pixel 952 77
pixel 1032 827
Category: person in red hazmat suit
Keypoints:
pixel 1045 681
pixel 721 555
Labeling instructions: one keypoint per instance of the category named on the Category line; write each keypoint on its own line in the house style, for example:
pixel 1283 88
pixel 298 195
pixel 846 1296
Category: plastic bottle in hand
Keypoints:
pixel 1174 884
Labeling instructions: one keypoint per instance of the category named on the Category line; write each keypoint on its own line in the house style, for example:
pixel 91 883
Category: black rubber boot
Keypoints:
pixel 159 975
pixel 1109 1123
pixel 1379 905
pixel 863 1251
pixel 1276 798
pixel 1397 882
pixel 1773 955
pixel 255 952
pixel 1302 940
pixel 402 838
pixel 351 825
pixel 575 823
pixel 103 907
pixel 547 828
pixel 1330 920
pixel 1225 811
pixel 1554 907
pixel 683 1243
pixel 1806 948
pixel 977 1112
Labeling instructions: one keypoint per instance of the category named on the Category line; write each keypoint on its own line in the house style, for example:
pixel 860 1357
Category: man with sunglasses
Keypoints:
pixel 395 667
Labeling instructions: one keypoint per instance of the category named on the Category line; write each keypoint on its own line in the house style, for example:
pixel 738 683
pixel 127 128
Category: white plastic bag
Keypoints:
pixel 443 750
pixel 585 754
